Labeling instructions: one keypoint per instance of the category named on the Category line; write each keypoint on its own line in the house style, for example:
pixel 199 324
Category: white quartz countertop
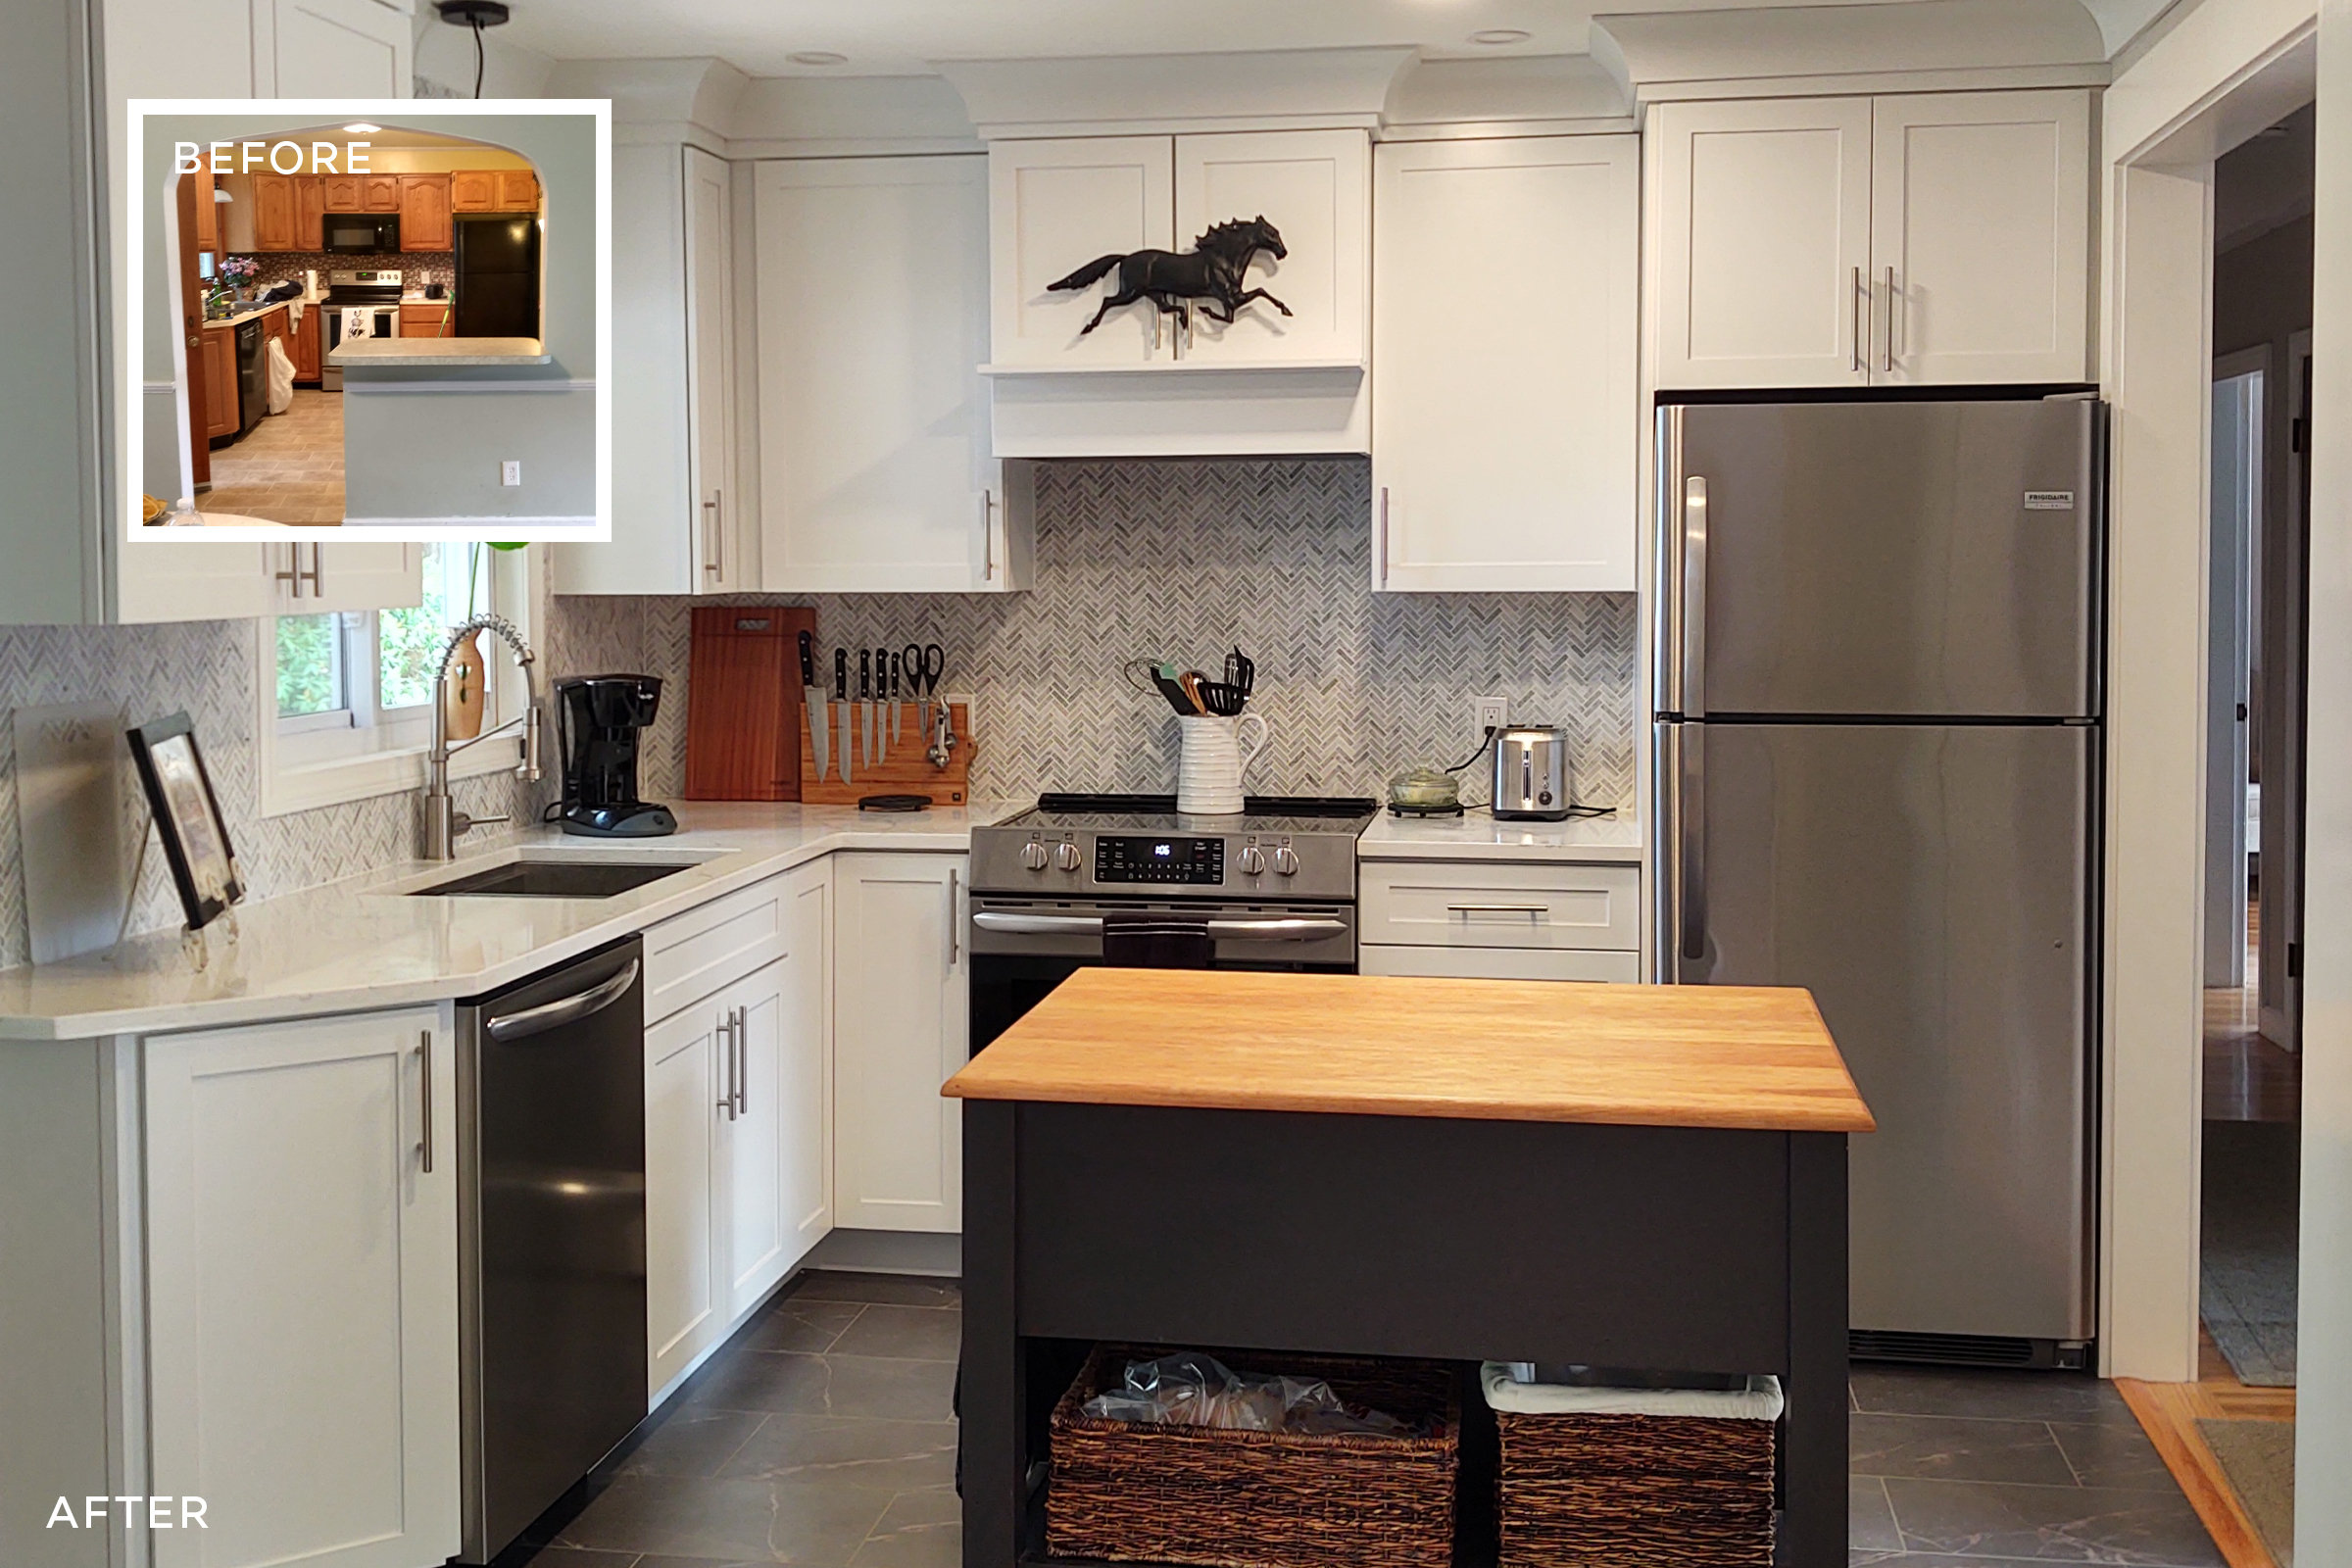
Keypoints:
pixel 361 942
pixel 1476 835
pixel 409 352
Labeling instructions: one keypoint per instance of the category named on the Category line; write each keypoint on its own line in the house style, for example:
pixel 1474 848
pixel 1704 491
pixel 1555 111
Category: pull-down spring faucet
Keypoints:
pixel 444 823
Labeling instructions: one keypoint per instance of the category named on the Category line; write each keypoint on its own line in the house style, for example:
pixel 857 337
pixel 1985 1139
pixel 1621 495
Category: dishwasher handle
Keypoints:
pixel 566 1010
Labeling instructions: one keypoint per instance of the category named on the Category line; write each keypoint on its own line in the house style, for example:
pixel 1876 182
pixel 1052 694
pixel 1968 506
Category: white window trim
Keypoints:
pixel 288 785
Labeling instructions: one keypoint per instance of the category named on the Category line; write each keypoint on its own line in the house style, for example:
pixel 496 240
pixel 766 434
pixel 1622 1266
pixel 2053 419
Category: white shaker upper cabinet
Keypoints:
pixel 722 562
pixel 875 474
pixel 301 1290
pixel 1315 187
pixel 1053 207
pixel 331 49
pixel 1979 230
pixel 1764 242
pixel 1506 411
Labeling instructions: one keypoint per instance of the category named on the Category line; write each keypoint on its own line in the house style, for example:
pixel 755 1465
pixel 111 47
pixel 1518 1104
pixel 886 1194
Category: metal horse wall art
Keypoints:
pixel 1212 273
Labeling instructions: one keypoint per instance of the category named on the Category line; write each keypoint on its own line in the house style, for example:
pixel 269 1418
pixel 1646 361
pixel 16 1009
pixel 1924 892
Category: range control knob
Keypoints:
pixel 1286 861
pixel 1066 856
pixel 1254 860
pixel 1033 856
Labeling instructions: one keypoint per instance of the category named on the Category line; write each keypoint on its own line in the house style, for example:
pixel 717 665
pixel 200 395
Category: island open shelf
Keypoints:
pixel 1451 1171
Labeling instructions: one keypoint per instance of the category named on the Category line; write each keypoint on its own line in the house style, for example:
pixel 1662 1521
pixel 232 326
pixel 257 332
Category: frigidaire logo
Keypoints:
pixel 152 1513
pixel 278 156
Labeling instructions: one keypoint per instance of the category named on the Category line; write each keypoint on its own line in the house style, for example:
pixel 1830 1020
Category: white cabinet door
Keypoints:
pixel 875 473
pixel 331 49
pixel 1763 242
pixel 1055 205
pixel 1981 228
pixel 720 562
pixel 313 579
pixel 1506 432
pixel 301 1290
pixel 167 580
pixel 686 1285
pixel 756 1232
pixel 901 1029
pixel 804 1059
pixel 1315 187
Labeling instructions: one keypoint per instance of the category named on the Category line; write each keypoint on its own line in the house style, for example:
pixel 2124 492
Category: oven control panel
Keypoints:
pixel 1159 860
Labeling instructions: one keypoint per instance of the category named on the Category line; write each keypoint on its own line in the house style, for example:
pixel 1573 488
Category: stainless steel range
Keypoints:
pixel 1086 880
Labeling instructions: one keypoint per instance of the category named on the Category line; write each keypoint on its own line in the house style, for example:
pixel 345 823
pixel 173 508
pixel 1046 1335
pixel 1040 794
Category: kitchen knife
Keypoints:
pixel 882 703
pixel 865 706
pixel 815 701
pixel 841 695
pixel 897 673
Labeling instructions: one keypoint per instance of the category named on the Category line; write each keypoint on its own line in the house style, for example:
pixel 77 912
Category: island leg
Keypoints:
pixel 992 1381
pixel 1814 1458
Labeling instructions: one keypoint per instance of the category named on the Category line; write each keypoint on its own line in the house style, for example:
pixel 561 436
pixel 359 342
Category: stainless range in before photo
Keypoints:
pixel 1486 784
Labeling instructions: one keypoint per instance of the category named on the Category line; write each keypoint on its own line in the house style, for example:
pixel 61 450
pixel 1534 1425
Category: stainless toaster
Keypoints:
pixel 1531 773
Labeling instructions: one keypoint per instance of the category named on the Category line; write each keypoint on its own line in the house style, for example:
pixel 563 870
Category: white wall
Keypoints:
pixel 2323 1398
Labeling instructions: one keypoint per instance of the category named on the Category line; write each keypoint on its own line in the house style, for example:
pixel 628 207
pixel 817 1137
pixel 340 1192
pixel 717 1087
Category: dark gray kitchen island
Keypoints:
pixel 1644 1177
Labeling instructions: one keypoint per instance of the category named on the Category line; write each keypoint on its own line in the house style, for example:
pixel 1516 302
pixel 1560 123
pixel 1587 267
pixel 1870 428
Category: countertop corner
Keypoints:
pixel 1477 835
pixel 411 352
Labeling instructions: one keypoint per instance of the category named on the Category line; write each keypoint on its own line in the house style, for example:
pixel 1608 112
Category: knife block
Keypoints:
pixel 743 702
pixel 908 771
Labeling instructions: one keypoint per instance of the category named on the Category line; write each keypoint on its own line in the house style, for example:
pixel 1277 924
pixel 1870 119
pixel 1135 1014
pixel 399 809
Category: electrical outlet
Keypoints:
pixel 1492 712
pixel 509 473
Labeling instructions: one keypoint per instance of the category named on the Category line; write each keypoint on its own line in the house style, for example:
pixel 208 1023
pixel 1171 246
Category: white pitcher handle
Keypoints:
pixel 1260 745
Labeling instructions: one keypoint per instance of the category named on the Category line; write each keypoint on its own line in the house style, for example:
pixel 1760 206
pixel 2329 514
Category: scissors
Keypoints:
pixel 925 663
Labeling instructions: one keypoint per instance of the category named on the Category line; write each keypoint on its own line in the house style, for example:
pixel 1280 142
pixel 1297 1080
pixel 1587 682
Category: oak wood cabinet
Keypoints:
pixel 208 216
pixel 273 213
pixel 379 193
pixel 474 190
pixel 517 190
pixel 309 214
pixel 219 381
pixel 341 193
pixel 431 319
pixel 307 365
pixel 424 217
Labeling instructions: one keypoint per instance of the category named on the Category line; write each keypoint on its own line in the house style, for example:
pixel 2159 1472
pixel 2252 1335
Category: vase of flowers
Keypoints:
pixel 235 276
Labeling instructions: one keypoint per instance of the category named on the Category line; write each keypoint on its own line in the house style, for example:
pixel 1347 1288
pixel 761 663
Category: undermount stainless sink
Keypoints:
pixel 554 879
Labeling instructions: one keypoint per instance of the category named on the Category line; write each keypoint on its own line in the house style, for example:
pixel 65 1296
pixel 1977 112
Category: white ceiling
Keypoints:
pixel 894 37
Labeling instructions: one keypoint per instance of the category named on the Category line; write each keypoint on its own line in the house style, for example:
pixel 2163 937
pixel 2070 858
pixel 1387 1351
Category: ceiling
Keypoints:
pixel 899 37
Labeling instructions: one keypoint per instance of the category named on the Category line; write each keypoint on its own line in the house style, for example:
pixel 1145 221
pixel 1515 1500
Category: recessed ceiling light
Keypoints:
pixel 1502 35
pixel 362 127
pixel 817 57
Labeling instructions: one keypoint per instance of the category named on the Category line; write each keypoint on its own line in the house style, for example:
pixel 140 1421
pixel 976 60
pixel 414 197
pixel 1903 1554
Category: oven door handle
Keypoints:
pixel 1037 926
pixel 1278 928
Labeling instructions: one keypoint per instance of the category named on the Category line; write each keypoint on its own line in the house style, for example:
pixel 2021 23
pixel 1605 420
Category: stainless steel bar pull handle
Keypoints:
pixel 1693 841
pixel 1861 323
pixel 1276 928
pixel 1666 657
pixel 425 1074
pixel 724 1036
pixel 1893 302
pixel 714 555
pixel 1498 909
pixel 1694 610
pixel 743 1062
pixel 955 919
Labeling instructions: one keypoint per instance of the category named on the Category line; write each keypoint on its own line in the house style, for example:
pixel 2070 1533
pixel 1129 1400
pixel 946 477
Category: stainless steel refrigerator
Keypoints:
pixel 1879 651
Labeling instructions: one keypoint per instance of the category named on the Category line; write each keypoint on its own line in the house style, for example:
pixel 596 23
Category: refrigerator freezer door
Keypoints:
pixel 1929 884
pixel 1929 560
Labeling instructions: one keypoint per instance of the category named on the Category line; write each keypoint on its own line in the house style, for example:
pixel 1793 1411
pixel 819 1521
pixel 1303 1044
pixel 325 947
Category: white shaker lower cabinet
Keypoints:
pixel 875 472
pixel 900 1020
pixel 735 1088
pixel 1507 435
pixel 301 1290
pixel 1494 920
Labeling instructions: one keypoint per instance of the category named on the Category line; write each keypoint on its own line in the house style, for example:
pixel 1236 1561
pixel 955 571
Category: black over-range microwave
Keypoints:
pixel 365 233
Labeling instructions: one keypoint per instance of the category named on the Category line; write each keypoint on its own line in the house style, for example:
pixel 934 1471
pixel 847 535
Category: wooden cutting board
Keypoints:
pixel 743 702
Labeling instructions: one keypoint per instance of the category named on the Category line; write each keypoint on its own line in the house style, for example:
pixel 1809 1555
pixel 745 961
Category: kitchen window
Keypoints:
pixel 346 696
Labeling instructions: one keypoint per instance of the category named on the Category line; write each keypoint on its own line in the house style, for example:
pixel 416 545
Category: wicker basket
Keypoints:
pixel 1138 1491
pixel 1663 1491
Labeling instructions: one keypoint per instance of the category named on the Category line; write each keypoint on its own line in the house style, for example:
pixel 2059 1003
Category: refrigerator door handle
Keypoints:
pixel 1693 612
pixel 1666 641
pixel 1690 843
pixel 1666 882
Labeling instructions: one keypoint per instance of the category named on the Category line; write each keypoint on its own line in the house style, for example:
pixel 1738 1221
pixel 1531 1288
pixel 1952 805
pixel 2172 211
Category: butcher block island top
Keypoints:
pixel 1388 1046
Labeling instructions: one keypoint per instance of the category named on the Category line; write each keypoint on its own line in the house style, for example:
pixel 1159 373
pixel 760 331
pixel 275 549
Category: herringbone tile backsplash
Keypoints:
pixel 1182 559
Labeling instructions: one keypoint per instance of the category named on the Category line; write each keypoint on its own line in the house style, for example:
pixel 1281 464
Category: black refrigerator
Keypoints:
pixel 1877 727
pixel 497 277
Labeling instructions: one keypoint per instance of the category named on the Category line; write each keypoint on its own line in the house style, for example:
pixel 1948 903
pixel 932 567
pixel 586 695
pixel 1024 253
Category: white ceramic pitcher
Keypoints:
pixel 1209 775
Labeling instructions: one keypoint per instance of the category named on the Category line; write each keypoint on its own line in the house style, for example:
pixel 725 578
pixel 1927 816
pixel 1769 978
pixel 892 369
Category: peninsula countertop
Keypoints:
pixel 411 352
pixel 363 942
pixel 1475 1049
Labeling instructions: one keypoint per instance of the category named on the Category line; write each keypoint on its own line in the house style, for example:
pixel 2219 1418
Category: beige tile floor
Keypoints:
pixel 289 469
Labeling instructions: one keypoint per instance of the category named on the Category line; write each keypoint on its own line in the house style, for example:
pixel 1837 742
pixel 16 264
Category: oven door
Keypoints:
pixel 1022 948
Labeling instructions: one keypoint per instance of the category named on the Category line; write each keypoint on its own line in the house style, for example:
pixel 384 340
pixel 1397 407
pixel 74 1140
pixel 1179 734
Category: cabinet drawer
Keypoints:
pixel 1502 963
pixel 689 957
pixel 1461 904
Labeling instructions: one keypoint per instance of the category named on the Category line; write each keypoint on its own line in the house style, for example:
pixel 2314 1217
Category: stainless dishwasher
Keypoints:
pixel 551 1236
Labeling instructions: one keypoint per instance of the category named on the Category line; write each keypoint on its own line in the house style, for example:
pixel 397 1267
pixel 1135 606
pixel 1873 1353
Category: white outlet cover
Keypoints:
pixel 509 473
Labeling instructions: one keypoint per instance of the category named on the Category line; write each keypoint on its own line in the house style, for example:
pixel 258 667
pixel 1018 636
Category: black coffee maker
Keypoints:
pixel 597 719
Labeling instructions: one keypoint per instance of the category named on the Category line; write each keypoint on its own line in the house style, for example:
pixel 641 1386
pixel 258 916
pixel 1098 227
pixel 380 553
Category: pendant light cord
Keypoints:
pixel 477 57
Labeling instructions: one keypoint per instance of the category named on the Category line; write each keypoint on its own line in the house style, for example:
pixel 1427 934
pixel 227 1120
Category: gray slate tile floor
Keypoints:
pixel 822 1436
